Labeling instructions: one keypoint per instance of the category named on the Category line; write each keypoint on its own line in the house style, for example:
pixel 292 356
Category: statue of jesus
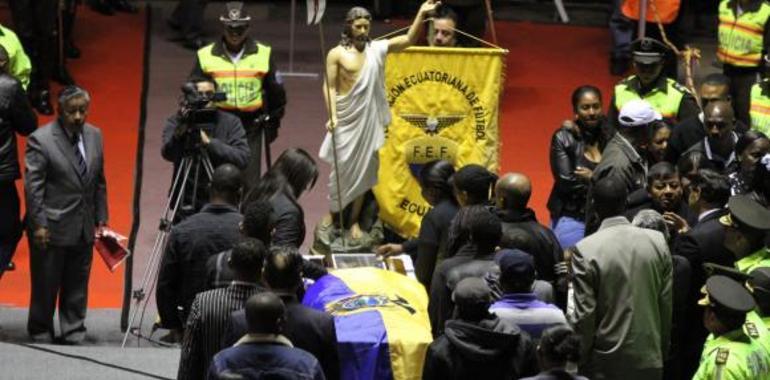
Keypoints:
pixel 359 111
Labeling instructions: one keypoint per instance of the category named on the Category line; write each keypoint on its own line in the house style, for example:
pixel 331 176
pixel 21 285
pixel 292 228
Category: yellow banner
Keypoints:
pixel 444 106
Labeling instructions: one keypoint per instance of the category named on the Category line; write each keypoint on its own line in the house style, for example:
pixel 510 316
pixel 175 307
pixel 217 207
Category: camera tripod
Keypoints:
pixel 192 161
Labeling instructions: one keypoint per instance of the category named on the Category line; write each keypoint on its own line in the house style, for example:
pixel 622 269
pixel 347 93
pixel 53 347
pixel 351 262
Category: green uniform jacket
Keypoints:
pixel 733 356
pixel 758 259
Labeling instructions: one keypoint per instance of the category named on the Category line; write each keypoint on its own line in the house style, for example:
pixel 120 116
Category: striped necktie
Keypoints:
pixel 82 168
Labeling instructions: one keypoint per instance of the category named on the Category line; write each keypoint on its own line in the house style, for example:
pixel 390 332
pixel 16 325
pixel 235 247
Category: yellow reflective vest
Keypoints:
pixel 19 65
pixel 664 100
pixel 241 81
pixel 760 109
pixel 741 38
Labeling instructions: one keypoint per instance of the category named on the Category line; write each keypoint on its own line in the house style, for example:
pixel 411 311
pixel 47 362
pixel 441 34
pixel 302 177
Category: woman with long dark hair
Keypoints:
pixel 430 246
pixel 293 173
pixel 575 152
pixel 749 149
pixel 473 185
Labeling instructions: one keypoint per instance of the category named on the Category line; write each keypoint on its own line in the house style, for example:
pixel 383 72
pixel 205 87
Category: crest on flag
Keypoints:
pixel 315 11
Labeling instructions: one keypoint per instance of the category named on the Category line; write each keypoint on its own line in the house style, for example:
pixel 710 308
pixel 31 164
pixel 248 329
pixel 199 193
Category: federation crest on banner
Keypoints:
pixel 444 106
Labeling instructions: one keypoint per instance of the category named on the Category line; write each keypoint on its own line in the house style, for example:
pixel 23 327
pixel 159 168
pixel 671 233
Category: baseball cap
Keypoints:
pixel 472 291
pixel 638 113
pixel 515 263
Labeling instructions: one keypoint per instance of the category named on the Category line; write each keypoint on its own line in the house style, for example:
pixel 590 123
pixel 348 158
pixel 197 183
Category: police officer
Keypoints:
pixel 743 40
pixel 18 64
pixel 672 100
pixel 729 352
pixel 244 70
pixel 759 102
pixel 759 286
pixel 746 225
pixel 36 23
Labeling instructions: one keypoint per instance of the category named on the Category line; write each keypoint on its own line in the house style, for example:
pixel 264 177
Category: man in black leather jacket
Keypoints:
pixel 16 116
pixel 224 141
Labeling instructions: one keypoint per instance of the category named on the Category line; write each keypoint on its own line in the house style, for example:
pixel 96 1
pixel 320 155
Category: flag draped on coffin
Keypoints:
pixel 383 330
pixel 444 106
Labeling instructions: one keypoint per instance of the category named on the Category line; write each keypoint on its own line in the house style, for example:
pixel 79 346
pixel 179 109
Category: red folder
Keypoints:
pixel 110 246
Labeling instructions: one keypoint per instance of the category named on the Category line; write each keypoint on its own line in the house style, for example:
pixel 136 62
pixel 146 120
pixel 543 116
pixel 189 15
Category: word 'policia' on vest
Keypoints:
pixel 241 81
pixel 741 39
pixel 666 102
pixel 760 109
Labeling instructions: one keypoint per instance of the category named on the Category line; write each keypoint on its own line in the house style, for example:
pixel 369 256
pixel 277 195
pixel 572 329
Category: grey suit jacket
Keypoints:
pixel 622 282
pixel 57 198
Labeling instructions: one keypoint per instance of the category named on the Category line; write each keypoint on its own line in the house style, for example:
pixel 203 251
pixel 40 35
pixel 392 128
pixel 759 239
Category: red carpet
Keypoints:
pixel 111 69
pixel 545 63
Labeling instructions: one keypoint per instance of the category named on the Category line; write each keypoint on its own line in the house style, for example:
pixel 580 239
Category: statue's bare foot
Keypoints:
pixel 355 232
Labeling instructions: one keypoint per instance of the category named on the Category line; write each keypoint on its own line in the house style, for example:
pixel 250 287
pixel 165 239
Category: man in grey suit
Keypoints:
pixel 622 283
pixel 66 204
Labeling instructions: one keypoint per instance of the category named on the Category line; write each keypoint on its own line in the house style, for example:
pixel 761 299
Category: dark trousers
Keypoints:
pixel 35 24
pixel 63 272
pixel 741 80
pixel 10 225
pixel 254 136
pixel 188 15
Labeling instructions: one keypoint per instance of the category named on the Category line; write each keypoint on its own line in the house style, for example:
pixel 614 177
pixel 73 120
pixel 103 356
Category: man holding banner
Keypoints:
pixel 358 109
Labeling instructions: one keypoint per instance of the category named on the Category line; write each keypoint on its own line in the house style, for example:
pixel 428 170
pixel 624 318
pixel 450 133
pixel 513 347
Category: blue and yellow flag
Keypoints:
pixel 383 330
pixel 444 106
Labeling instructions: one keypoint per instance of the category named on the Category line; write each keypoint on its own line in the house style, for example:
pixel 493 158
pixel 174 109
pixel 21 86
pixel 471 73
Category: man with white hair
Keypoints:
pixel 623 157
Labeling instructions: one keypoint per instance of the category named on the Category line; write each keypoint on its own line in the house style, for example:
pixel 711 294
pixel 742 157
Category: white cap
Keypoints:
pixel 637 113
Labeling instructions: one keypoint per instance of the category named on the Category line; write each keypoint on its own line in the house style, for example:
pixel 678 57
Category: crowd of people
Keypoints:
pixel 655 264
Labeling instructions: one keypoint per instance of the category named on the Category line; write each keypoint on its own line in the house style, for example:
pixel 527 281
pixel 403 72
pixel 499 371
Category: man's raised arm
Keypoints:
pixel 402 42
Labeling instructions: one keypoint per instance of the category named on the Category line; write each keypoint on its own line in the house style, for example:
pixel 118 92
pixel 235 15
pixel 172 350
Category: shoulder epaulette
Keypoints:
pixel 680 87
pixel 751 330
pixel 722 355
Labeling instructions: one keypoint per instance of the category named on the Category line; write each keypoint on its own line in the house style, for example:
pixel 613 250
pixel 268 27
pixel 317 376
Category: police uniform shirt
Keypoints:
pixel 687 108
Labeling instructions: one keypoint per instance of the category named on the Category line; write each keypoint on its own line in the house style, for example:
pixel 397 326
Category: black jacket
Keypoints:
pixel 721 164
pixel 183 266
pixel 704 243
pixel 546 249
pixel 289 221
pixel 688 133
pixel 568 194
pixel 309 329
pixel 466 263
pixel 682 210
pixel 227 146
pixel 490 349
pixel 430 247
pixel 16 116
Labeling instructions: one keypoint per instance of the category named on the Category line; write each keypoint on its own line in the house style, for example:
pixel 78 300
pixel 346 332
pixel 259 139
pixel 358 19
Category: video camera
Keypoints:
pixel 194 108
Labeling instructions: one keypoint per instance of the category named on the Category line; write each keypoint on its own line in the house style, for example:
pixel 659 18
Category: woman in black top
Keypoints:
pixel 749 149
pixel 575 152
pixel 430 246
pixel 472 185
pixel 293 173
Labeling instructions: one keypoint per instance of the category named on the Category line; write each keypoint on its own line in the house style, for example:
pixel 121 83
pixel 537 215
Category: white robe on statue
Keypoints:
pixel 362 115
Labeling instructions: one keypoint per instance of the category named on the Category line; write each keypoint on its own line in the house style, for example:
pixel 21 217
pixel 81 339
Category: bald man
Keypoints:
pixel 719 143
pixel 521 230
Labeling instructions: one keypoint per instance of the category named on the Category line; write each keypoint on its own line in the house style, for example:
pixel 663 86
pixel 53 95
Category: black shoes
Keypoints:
pixel 193 44
pixel 619 66
pixel 63 77
pixel 123 6
pixel 101 6
pixel 41 101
